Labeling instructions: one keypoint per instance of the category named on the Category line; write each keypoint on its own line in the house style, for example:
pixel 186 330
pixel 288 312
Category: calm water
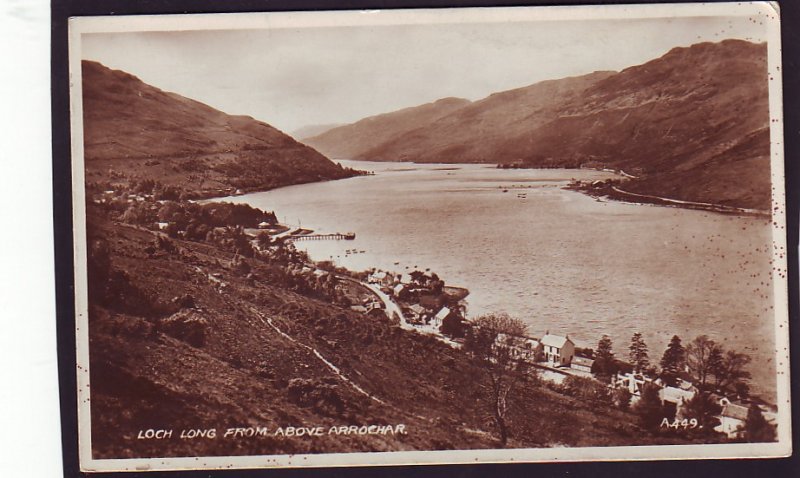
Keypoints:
pixel 557 259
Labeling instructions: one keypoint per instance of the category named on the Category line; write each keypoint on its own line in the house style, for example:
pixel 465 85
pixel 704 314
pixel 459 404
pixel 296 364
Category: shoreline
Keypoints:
pixel 613 193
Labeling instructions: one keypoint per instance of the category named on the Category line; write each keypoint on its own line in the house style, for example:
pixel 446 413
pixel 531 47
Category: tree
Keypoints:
pixel 604 361
pixel 730 372
pixel 705 409
pixel 638 353
pixel 703 357
pixel 622 398
pixel 673 361
pixel 649 407
pixel 756 429
pixel 490 342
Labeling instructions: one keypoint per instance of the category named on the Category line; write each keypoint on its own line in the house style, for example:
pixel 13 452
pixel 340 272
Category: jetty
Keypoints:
pixel 347 236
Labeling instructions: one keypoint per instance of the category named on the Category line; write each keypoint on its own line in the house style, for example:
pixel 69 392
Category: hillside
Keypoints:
pixel 691 125
pixel 209 333
pixel 313 130
pixel 134 132
pixel 351 141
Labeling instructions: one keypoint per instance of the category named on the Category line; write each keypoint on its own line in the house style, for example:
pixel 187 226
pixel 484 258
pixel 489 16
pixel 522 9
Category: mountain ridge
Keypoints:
pixel 136 132
pixel 690 125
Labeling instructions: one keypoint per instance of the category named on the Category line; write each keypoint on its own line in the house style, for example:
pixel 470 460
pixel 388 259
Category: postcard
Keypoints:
pixel 464 235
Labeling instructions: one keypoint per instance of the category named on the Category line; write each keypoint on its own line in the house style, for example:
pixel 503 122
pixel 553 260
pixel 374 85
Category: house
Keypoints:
pixel 398 290
pixel 416 312
pixel 557 350
pixel 630 381
pixel 381 278
pixel 521 348
pixel 582 364
pixel 264 225
pixel 437 319
pixel 732 419
pixel 676 396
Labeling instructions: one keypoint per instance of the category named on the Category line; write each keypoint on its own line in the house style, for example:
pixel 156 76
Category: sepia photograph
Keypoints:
pixel 431 236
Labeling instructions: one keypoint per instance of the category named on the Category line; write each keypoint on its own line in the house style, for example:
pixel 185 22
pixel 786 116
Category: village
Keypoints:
pixel 427 305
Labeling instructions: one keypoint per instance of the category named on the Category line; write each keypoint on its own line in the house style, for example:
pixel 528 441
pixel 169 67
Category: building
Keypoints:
pixel 416 313
pixel 732 418
pixel 443 313
pixel 582 364
pixel 632 382
pixel 521 348
pixel 557 350
pixel 676 396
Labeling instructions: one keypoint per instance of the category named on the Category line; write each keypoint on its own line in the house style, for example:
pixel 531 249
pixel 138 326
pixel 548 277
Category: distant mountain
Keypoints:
pixel 134 131
pixel 691 125
pixel 313 130
pixel 354 140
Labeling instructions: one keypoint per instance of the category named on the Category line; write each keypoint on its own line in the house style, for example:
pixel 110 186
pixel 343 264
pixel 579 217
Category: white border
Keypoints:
pixel 236 21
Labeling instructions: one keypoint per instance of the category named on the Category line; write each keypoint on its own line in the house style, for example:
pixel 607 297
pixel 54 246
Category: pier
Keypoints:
pixel 347 236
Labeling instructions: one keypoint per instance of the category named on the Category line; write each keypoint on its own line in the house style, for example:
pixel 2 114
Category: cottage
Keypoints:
pixel 443 313
pixel 632 382
pixel 416 312
pixel 676 396
pixel 521 348
pixel 731 419
pixel 264 225
pixel 558 350
pixel 381 278
pixel 582 364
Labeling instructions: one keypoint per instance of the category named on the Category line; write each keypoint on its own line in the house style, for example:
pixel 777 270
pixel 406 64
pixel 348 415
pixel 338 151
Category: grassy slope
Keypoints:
pixel 143 377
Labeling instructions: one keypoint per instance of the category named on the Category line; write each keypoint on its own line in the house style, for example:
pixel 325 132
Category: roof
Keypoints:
pixel 732 410
pixel 444 312
pixel 578 360
pixel 556 341
pixel 673 394
pixel 417 309
pixel 399 288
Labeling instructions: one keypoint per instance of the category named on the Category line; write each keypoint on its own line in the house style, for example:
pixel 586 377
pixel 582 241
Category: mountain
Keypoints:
pixel 313 130
pixel 136 132
pixel 691 125
pixel 353 140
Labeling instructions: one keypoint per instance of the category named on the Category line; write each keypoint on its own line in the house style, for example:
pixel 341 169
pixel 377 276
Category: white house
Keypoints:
pixel 437 319
pixel 557 350
pixel 732 419
pixel 678 396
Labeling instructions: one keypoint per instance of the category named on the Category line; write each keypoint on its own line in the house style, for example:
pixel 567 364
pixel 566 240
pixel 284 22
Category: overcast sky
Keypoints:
pixel 292 78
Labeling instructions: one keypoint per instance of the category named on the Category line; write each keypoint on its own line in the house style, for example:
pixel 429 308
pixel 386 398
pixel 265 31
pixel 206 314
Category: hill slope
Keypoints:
pixel 691 125
pixel 134 131
pixel 350 141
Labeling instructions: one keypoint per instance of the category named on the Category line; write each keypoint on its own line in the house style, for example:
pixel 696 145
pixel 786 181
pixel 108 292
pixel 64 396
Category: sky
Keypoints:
pixel 296 77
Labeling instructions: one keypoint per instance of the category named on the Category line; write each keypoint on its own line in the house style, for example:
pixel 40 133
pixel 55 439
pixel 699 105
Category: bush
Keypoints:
pixel 186 326
pixel 322 397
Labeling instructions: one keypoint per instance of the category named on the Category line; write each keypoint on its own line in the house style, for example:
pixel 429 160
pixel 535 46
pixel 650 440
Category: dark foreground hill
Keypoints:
pixel 135 132
pixel 691 125
pixel 188 335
